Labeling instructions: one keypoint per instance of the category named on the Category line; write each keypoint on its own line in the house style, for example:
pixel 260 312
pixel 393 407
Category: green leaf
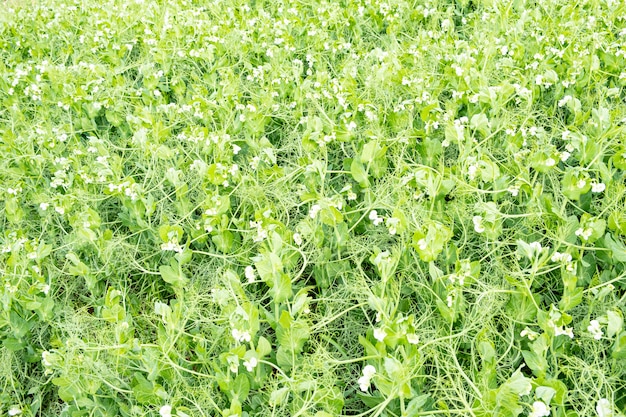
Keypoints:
pixel 560 389
pixel 430 243
pixel 172 274
pixel 359 174
pixel 538 364
pixel 618 249
pixel 144 391
pixel 545 394
pixel 263 347
pixel 571 299
pixel 279 396
pixel 269 266
pixel 486 350
pixel 615 322
pixel 519 384
pixel 522 307
pixel 416 404
pixel 619 348
pixel 370 349
pixel 224 241
pixel 68 388
pixel 480 122
pixel 394 369
pixel 280 288
pixel 292 335
pixel 241 387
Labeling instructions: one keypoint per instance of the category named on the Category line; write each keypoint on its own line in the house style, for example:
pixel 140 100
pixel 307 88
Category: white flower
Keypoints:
pixel 565 156
pixel 514 190
pixel 44 206
pixel 471 171
pixel 314 210
pixel 422 244
pixel 550 162
pixel 368 373
pixel 532 335
pixel 297 238
pixel 594 329
pixel 250 275
pixel 597 187
pixel 559 330
pixel 536 246
pixel 392 223
pixel 236 149
pixel 539 409
pixel 261 233
pixel 584 234
pixel 375 218
pixel 14 411
pixel 251 364
pixel 166 411
pixel 172 246
pixel 380 334
pixel 581 183
pixel 561 257
pixel 241 336
pixel 44 358
pixel 564 100
pixel 364 383
pixel 478 224
pixel 604 409
pixel 254 163
pixel 412 338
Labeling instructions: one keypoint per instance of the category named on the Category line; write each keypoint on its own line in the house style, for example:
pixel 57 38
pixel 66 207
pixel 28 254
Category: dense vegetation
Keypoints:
pixel 313 208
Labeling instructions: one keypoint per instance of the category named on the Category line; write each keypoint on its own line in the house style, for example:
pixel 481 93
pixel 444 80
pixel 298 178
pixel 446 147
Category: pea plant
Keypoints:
pixel 371 208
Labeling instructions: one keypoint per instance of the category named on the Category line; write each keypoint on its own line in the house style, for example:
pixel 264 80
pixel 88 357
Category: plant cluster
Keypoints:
pixel 313 208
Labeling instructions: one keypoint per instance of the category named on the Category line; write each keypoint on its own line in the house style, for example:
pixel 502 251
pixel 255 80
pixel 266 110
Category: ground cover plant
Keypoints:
pixel 313 208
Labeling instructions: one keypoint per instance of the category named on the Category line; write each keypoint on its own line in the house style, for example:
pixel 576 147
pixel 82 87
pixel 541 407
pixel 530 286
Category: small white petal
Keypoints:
pixel 380 334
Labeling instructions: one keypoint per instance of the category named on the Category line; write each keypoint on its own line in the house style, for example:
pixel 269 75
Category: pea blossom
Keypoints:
pixel 584 234
pixel 14 411
pixel 241 335
pixel 166 411
pixel 532 335
pixel 594 329
pixel 368 373
pixel 250 364
pixel 539 409
pixel 314 210
pixel 380 334
pixel 604 409
pixel 249 273
pixel 375 218
pixel 478 224
pixel 597 187
pixel 560 330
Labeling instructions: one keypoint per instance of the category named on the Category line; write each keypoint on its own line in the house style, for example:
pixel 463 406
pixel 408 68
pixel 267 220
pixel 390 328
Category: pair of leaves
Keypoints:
pixel 173 274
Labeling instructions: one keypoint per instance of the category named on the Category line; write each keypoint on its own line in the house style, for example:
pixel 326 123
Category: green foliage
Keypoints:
pixel 287 208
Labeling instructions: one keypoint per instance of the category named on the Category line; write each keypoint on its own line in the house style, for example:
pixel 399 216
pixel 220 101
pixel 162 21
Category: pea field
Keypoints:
pixel 312 208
